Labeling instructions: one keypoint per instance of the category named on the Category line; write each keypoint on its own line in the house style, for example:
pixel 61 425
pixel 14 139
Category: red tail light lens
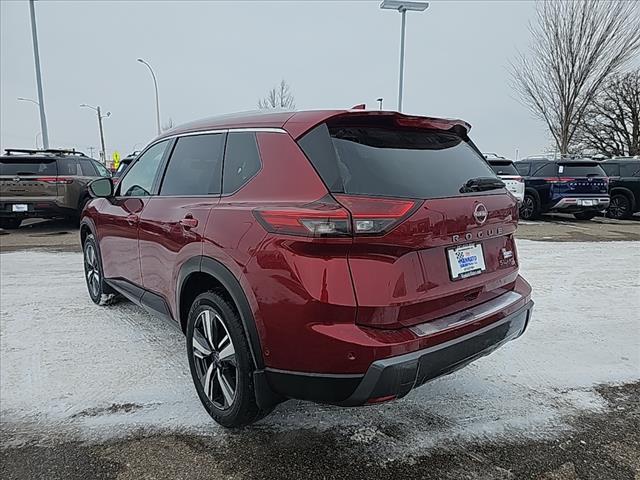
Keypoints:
pixel 324 218
pixel 327 218
pixel 373 216
pixel 55 180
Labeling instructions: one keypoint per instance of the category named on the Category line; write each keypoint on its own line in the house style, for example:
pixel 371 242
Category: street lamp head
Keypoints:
pixel 402 5
pixel 108 114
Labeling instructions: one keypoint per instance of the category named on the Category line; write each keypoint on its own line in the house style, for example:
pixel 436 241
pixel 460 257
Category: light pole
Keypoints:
pixel 103 153
pixel 155 84
pixel 36 59
pixel 402 7
pixel 379 100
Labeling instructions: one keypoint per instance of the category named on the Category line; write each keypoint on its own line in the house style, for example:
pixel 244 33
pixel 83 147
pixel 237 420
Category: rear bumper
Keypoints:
pixel 394 377
pixel 577 204
pixel 35 208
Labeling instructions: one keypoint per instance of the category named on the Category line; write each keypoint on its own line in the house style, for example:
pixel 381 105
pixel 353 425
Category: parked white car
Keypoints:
pixel 507 172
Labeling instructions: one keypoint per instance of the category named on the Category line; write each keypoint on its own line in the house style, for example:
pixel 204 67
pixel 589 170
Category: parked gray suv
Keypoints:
pixel 45 184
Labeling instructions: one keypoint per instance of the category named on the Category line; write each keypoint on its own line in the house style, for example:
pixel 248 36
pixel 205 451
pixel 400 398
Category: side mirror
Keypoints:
pixel 101 188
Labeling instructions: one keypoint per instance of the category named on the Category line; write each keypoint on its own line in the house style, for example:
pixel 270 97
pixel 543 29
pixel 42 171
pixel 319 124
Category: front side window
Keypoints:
pixel 138 182
pixel 195 166
pixel 241 161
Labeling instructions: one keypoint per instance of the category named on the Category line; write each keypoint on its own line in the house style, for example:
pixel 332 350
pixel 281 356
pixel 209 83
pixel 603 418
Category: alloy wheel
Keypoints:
pixel 618 207
pixel 215 359
pixel 527 208
pixel 92 269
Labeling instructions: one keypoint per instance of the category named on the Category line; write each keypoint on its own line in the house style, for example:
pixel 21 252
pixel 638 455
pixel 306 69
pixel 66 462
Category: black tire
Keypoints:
pixel 227 374
pixel 99 291
pixel 585 215
pixel 10 223
pixel 620 207
pixel 530 207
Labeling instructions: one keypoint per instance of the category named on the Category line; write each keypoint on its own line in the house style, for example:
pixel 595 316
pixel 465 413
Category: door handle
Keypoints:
pixel 132 219
pixel 188 222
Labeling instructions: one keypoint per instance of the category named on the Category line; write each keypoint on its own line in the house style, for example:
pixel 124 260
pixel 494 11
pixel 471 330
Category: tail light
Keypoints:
pixel 55 180
pixel 351 215
pixel 324 218
pixel 373 216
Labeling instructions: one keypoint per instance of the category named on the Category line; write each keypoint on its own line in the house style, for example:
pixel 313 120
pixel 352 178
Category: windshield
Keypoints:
pixel 393 162
pixel 28 166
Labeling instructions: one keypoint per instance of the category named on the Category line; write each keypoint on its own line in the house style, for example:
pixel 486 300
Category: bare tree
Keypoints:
pixel 611 125
pixel 278 97
pixel 576 47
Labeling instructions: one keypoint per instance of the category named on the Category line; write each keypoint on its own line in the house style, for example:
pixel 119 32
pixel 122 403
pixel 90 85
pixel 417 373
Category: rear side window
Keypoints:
pixel 630 169
pixel 241 161
pixel 611 169
pixel 503 168
pixel 393 162
pixel 523 168
pixel 195 166
pixel 28 166
pixel 576 169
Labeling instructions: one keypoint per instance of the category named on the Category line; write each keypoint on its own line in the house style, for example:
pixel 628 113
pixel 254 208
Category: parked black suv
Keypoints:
pixel 579 187
pixel 624 186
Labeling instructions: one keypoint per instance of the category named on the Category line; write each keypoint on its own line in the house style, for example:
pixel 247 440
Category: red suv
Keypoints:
pixel 343 257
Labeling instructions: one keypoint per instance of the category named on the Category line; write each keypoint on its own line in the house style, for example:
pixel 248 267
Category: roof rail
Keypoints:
pixel 54 151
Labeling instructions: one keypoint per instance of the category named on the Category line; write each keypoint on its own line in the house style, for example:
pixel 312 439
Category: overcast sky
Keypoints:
pixel 220 57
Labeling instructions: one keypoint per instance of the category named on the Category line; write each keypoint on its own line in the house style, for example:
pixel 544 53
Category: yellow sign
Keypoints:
pixel 116 160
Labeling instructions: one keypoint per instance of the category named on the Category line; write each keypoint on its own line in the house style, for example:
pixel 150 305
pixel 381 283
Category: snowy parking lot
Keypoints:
pixel 72 371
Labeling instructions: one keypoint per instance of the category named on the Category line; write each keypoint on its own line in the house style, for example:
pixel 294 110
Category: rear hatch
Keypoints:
pixel 433 225
pixel 24 176
pixel 580 178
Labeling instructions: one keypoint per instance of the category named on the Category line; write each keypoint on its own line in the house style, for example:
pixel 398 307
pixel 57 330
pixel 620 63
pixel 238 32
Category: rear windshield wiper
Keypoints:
pixel 480 184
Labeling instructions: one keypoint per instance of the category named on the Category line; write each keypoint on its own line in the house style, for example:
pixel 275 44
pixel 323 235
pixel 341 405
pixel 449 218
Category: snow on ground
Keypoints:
pixel 72 370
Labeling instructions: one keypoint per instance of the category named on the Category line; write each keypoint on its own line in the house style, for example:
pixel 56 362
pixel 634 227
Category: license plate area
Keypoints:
pixel 19 207
pixel 465 261
pixel 586 203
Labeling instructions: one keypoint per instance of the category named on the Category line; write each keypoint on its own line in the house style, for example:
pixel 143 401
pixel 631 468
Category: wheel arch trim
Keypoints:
pixel 218 271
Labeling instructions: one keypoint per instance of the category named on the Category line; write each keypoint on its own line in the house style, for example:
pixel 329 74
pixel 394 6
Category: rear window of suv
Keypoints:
pixel 575 169
pixel 28 166
pixel 503 168
pixel 393 162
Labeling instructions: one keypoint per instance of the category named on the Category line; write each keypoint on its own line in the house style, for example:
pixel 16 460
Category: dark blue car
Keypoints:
pixel 580 187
